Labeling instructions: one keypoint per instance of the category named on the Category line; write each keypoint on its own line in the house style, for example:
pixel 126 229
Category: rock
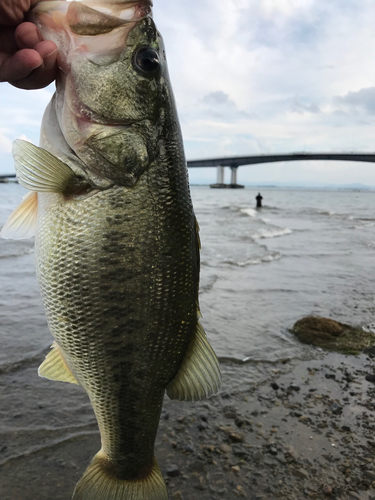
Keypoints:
pixel 258 455
pixel 327 490
pixel 370 378
pixel 332 335
pixel 336 409
pixel 202 426
pixel 173 471
pixel 235 469
pixel 235 437
pixel 177 495
pixel 239 421
pixel 225 448
pixel 275 386
pixel 239 451
pixel 300 473
pixel 198 466
pixel 353 494
pixel 294 387
pixel 369 475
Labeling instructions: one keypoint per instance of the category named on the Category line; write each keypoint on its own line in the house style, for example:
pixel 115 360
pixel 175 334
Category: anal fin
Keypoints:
pixel 54 367
pixel 22 221
pixel 199 375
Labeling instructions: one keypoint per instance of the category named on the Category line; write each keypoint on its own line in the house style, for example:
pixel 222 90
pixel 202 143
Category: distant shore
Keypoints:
pixel 307 433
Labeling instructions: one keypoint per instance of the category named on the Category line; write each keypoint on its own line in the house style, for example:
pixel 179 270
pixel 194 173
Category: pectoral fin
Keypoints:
pixel 22 221
pixel 54 367
pixel 38 170
pixel 199 375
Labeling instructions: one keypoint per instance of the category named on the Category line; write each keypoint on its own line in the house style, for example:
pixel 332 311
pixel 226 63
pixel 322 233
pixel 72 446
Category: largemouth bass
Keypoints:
pixel 117 245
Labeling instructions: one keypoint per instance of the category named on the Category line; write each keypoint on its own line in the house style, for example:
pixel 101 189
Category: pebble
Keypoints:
pixel 353 494
pixel 202 426
pixel 301 473
pixel 369 475
pixel 336 409
pixel 225 448
pixel 294 387
pixel 198 466
pixel 173 471
pixel 258 455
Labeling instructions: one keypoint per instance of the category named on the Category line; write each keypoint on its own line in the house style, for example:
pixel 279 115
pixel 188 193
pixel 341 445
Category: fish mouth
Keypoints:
pixel 86 115
pixel 123 10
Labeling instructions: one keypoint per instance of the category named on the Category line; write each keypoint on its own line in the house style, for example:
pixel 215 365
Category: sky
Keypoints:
pixel 251 77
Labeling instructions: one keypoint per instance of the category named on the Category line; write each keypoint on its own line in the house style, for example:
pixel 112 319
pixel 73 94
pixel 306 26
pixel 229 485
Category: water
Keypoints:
pixel 305 252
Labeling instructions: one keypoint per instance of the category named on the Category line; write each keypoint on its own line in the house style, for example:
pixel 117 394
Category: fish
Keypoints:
pixel 116 239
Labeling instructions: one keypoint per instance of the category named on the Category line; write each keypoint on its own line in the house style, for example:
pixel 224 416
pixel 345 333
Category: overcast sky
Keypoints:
pixel 254 77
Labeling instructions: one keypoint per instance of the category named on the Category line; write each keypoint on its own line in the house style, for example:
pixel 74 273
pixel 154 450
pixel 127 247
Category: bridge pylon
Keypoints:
pixel 220 184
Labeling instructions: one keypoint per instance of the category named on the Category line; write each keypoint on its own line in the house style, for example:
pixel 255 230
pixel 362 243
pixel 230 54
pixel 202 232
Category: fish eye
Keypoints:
pixel 146 61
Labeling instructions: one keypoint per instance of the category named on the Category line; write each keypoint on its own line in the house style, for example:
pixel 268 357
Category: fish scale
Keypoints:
pixel 86 306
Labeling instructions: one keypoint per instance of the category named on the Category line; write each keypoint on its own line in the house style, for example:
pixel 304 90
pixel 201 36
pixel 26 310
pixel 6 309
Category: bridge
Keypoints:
pixel 237 161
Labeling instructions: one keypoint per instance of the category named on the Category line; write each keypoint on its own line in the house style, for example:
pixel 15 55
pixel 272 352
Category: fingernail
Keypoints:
pixel 50 59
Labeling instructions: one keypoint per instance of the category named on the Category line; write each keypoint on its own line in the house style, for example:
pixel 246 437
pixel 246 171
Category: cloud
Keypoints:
pixel 219 106
pixel 255 77
pixel 361 100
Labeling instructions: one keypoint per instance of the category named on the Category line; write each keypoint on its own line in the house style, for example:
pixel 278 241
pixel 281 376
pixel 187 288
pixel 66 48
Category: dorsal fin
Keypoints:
pixel 22 221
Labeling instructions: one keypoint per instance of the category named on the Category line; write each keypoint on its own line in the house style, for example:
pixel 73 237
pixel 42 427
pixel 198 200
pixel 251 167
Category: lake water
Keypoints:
pixel 305 252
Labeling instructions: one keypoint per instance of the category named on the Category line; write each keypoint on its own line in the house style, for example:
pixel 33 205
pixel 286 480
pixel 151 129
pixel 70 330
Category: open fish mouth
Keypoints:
pixel 92 17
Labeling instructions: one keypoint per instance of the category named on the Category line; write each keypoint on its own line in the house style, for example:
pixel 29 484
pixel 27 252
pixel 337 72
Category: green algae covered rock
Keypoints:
pixel 332 335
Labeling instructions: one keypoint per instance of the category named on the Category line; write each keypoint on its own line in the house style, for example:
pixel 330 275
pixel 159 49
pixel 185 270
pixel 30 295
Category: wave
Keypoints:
pixel 25 362
pixel 255 261
pixel 206 286
pixel 20 253
pixel 251 212
pixel 271 233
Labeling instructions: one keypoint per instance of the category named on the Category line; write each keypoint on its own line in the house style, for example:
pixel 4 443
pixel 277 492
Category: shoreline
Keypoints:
pixel 306 433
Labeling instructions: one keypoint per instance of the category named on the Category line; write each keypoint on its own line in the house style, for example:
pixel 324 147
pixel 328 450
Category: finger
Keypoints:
pixel 44 74
pixel 48 52
pixel 12 13
pixel 27 35
pixel 18 66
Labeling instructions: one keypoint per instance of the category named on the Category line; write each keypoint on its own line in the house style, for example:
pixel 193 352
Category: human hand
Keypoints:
pixel 26 60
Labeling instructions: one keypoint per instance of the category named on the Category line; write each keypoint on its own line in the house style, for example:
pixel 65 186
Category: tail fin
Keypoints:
pixel 98 483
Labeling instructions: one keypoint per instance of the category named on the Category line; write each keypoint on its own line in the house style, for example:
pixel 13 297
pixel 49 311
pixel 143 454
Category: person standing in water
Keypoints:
pixel 259 199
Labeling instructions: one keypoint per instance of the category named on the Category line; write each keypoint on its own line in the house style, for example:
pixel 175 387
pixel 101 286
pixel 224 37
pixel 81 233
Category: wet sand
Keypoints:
pixel 306 433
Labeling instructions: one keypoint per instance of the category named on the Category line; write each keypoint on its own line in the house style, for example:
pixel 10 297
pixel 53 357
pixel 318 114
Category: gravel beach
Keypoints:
pixel 306 432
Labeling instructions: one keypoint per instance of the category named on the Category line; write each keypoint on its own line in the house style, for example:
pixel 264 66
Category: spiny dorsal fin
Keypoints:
pixel 22 221
pixel 198 376
pixel 55 368
pixel 39 170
